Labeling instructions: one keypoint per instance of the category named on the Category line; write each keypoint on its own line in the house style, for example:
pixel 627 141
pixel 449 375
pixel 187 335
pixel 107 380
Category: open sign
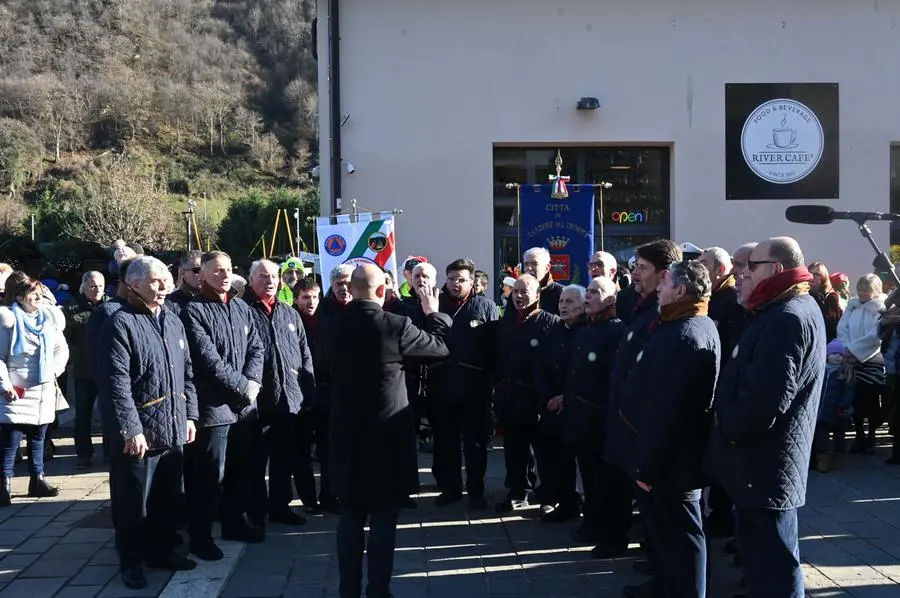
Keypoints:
pixel 622 217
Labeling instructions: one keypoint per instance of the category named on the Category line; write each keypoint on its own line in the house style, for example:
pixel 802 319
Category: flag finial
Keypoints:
pixel 559 190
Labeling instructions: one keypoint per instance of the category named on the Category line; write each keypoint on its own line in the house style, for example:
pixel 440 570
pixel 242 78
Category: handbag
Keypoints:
pixel 61 403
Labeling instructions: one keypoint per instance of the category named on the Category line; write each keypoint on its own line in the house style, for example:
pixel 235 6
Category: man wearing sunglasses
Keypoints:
pixel 766 405
pixel 188 280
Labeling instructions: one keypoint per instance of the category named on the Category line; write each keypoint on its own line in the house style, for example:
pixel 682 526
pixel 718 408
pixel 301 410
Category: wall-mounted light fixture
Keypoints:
pixel 588 103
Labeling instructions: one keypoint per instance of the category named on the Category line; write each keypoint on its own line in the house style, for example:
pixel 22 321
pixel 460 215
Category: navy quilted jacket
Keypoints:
pixel 659 430
pixel 94 325
pixel 766 406
pixel 288 378
pixel 227 354
pixel 146 377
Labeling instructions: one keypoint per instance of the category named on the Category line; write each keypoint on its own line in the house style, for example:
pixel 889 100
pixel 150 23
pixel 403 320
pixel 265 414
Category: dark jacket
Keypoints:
pixel 659 431
pixel 328 308
pixel 626 300
pixel 550 373
pixel 373 455
pixel 767 401
pixel 288 376
pixel 587 386
pixel 93 326
pixel 177 300
pixel 728 316
pixel 643 314
pixel 227 354
pixel 837 399
pixel 415 368
pixel 77 313
pixel 517 351
pixel 465 374
pixel 146 377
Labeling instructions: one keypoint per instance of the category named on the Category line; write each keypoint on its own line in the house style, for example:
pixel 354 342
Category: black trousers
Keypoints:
pixel 555 465
pixel 589 456
pixel 674 526
pixel 244 482
pixel 615 510
pixel 519 443
pixel 379 549
pixel 206 466
pixel 279 443
pixel 866 406
pixel 308 431
pixel 470 423
pixel 145 492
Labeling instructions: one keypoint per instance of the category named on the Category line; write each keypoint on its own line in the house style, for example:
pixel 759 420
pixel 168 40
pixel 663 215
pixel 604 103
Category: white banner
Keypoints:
pixel 364 238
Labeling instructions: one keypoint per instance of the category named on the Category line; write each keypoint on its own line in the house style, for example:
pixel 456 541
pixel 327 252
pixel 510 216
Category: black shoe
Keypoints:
pixel 644 590
pixel 83 463
pixel 172 562
pixel 311 507
pixel 505 506
pixel 287 517
pixel 206 550
pixel 5 496
pixel 892 461
pixel 731 546
pixel 445 499
pixel 642 566
pixel 858 447
pixel 561 513
pixel 39 488
pixel 244 532
pixel 133 578
pixel 586 535
pixel 477 502
pixel 410 504
pixel 330 506
pixel 608 551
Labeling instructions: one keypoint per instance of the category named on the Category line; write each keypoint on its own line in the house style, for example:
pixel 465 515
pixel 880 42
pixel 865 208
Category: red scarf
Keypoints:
pixel 791 282
pixel 268 304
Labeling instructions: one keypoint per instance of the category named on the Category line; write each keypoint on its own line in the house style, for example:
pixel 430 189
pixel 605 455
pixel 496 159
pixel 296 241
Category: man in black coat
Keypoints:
pixel 555 463
pixel 228 366
pixel 288 385
pixel 373 452
pixel 459 389
pixel 585 400
pixel 146 381
pixel 536 263
pixel 652 260
pixel 767 401
pixel 518 338
pixel 660 429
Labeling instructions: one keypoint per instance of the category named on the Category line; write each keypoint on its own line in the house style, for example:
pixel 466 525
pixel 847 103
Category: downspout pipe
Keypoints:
pixel 334 98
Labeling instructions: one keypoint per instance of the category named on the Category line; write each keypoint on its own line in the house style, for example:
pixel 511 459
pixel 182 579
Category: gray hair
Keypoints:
pixel 577 288
pixel 427 268
pixel 719 257
pixel 693 276
pixel 86 278
pixel 143 267
pixel 540 253
pixel 340 271
pixel 606 286
pixel 786 251
pixel 256 265
pixel 871 282
pixel 238 283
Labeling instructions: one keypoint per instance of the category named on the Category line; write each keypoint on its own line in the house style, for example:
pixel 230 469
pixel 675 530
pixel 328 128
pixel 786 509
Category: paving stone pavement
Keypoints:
pixel 850 545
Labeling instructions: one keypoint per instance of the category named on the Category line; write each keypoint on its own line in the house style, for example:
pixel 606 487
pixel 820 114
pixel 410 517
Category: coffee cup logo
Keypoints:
pixel 782 141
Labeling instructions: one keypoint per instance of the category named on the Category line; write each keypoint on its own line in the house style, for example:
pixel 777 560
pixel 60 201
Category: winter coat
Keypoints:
pixel 288 376
pixel 77 313
pixel 38 405
pixel 176 301
pixel 837 395
pixel 465 374
pixel 517 353
pixel 373 454
pixel 93 327
pixel 415 369
pixel 550 373
pixel 626 301
pixel 328 308
pixel 644 312
pixel 729 317
pixel 858 328
pixel 587 386
pixel 145 378
pixel 660 427
pixel 227 354
pixel 767 401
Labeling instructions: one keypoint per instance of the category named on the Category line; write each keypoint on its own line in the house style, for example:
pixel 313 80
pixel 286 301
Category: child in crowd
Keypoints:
pixel 835 409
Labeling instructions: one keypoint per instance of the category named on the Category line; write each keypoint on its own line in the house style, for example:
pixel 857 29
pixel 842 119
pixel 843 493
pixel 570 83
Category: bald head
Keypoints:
pixel 367 283
pixel 784 250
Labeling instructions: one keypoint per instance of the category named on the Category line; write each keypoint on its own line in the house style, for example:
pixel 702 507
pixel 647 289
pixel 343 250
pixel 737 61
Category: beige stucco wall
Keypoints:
pixel 430 86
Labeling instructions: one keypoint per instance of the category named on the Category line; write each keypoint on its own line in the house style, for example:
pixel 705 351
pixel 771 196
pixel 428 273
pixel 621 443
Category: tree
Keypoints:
pixel 122 202
pixel 21 154
pixel 267 152
pixel 13 213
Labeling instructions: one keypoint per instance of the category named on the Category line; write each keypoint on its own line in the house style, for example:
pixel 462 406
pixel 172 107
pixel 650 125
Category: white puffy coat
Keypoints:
pixel 858 328
pixel 38 406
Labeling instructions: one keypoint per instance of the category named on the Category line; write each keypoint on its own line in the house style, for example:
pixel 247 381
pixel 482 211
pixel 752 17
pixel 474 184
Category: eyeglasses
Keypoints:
pixel 753 264
pixel 595 264
pixel 458 279
pixel 194 270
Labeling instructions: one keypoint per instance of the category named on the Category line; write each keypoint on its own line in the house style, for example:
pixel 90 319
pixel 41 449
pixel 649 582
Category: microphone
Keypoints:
pixel 827 215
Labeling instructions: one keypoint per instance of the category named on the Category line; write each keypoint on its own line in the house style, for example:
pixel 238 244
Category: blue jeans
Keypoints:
pixel 11 437
pixel 770 551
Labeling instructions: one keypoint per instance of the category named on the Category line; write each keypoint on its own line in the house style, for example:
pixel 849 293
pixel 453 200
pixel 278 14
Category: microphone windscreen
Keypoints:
pixel 810 214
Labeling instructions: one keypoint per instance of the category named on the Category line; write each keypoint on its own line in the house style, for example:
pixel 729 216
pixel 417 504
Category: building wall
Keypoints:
pixel 431 86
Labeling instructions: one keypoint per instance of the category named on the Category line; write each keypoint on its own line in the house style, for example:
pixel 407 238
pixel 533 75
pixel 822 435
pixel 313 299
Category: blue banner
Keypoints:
pixel 564 226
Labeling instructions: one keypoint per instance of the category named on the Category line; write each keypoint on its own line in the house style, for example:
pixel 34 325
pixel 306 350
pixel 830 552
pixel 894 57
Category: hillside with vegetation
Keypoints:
pixel 115 113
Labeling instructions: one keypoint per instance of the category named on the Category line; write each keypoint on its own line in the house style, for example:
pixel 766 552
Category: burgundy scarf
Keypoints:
pixel 788 283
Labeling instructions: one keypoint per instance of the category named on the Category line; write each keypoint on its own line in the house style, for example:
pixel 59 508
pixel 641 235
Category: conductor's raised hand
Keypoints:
pixel 428 299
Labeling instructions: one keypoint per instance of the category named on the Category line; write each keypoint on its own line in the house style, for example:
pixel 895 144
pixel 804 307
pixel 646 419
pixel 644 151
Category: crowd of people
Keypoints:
pixel 699 385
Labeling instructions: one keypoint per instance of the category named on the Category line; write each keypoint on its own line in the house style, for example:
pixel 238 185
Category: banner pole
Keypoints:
pixel 274 232
pixel 519 221
pixel 287 226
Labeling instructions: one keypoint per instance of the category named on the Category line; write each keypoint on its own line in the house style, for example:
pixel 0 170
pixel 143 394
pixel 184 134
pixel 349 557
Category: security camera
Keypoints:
pixel 314 173
pixel 350 168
